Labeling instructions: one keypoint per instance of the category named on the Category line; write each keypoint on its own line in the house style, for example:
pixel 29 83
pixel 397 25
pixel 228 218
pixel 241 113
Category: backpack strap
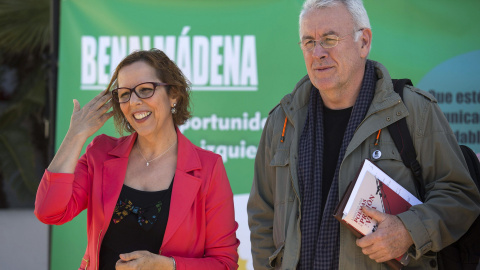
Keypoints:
pixel 404 143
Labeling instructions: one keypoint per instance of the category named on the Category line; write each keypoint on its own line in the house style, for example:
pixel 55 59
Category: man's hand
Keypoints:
pixel 390 240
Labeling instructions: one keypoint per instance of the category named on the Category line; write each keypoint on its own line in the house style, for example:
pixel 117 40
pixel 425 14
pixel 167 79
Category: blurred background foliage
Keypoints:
pixel 25 36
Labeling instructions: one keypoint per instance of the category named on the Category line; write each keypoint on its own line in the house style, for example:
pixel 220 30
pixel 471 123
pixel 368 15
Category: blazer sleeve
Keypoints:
pixel 221 241
pixel 62 196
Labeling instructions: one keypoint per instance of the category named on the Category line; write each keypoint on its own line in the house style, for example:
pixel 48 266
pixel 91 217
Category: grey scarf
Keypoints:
pixel 320 230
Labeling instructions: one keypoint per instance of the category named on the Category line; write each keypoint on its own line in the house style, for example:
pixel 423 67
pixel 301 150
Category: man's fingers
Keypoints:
pixel 375 214
pixel 368 250
pixel 365 241
pixel 378 257
pixel 374 253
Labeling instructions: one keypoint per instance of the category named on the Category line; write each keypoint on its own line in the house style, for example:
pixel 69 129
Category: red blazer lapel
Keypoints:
pixel 185 185
pixel 114 171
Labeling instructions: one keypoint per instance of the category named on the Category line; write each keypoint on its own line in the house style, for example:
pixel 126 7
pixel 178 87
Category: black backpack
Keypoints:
pixel 465 253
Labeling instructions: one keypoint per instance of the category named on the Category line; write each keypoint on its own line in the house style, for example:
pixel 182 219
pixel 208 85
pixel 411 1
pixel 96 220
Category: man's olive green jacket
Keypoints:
pixel 274 206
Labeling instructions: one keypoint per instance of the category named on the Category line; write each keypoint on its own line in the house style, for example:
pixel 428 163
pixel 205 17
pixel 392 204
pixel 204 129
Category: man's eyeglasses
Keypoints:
pixel 143 90
pixel 326 42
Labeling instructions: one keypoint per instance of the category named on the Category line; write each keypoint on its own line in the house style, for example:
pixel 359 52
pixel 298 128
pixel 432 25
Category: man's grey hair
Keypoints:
pixel 354 7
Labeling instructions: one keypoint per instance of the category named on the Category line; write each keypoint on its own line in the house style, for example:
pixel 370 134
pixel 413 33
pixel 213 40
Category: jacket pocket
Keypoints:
pixel 284 194
pixel 277 257
pixel 281 158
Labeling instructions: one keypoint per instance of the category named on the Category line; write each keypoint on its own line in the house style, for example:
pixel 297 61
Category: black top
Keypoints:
pixel 334 125
pixel 138 223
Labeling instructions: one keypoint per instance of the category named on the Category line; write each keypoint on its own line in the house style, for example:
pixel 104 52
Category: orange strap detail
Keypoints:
pixel 283 132
pixel 378 136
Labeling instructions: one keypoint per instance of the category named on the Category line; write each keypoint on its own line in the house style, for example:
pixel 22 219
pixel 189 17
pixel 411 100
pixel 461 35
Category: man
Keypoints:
pixel 316 139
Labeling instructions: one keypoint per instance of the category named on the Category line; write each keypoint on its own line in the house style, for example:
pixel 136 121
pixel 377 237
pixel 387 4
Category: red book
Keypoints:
pixel 375 189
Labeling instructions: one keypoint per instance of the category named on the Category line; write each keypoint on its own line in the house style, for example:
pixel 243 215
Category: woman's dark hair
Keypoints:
pixel 168 72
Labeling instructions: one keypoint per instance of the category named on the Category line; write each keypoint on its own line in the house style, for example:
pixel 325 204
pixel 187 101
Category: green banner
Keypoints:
pixel 241 58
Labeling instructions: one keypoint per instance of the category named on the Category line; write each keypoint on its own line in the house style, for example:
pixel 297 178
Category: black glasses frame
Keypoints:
pixel 115 91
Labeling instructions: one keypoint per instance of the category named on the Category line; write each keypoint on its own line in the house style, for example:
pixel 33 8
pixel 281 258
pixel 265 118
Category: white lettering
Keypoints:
pixel 228 152
pixel 103 59
pixel 133 44
pixel 224 123
pixel 183 56
pixel 231 64
pixel 211 63
pixel 214 122
pixel 196 123
pixel 200 60
pixel 89 52
pixel 249 61
pixel 146 41
pixel 254 123
pixel 236 123
pixel 216 60
pixel 166 45
pixel 242 148
pixel 119 51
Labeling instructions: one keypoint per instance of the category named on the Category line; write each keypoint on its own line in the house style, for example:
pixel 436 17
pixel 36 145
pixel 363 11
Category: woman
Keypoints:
pixel 131 186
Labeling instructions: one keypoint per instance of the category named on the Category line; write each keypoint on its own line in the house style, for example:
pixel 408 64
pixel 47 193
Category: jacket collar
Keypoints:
pixel 185 187
pixel 124 147
pixel 297 100
pixel 187 160
pixel 386 108
pixel 385 97
pixel 114 171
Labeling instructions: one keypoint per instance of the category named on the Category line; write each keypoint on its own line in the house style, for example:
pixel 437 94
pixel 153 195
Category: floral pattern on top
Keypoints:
pixel 146 216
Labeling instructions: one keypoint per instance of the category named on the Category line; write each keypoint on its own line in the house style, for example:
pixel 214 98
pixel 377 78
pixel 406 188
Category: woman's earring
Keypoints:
pixel 173 110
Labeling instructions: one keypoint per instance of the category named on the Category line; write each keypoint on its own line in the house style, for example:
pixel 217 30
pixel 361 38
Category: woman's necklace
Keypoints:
pixel 148 161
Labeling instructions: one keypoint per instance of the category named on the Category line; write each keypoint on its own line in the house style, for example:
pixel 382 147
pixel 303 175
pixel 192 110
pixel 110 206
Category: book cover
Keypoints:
pixel 375 189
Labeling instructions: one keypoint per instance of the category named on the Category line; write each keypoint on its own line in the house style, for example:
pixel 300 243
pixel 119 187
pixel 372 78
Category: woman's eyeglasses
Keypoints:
pixel 143 90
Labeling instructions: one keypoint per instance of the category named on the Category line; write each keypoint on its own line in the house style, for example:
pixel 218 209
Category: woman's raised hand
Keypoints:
pixel 83 124
pixel 89 119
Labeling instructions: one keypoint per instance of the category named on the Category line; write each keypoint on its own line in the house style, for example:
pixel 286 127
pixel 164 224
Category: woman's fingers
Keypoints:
pixel 97 102
pixel 106 92
pixel 101 103
pixel 106 116
pixel 76 106
pixel 105 107
pixel 93 115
